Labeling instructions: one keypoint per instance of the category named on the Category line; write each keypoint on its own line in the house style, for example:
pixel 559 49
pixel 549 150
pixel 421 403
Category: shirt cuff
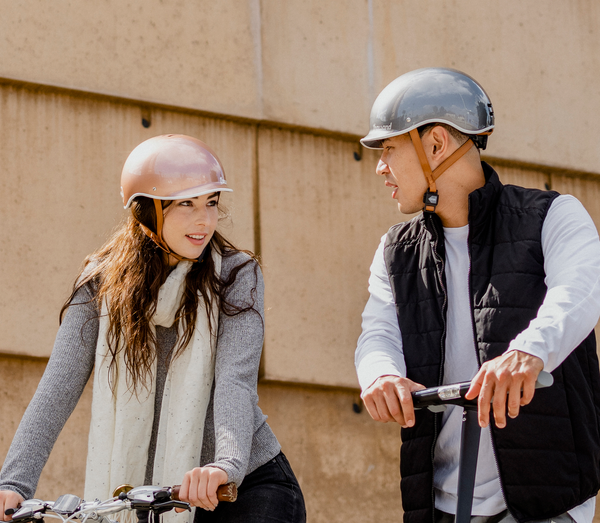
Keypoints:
pixel 374 365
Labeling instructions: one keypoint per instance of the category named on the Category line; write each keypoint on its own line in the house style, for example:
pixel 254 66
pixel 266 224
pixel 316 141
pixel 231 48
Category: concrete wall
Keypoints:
pixel 62 157
pixel 320 64
pixel 282 92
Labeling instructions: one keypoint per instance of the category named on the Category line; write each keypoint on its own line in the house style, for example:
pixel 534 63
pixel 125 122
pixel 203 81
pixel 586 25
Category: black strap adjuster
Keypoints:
pixel 430 199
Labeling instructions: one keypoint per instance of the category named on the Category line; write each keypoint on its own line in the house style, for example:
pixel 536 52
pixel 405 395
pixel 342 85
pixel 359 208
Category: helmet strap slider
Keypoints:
pixel 430 199
pixel 157 237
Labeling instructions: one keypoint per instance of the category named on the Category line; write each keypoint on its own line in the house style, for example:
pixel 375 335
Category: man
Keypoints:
pixel 492 284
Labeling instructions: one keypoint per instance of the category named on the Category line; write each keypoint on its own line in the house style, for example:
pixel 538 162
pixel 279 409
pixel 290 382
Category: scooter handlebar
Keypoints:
pixel 435 398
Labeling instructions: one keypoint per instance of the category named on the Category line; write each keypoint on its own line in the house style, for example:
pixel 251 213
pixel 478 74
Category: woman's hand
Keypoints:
pixel 8 499
pixel 199 487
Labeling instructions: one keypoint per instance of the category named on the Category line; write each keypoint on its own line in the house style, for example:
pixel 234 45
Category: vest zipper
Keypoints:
pixel 479 366
pixel 439 265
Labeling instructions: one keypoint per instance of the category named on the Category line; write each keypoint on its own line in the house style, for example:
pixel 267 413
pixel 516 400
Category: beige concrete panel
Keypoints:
pixel 320 64
pixel 61 158
pixel 322 214
pixel 538 61
pixel 510 175
pixel 316 63
pixel 65 469
pixel 348 466
pixel 586 190
pixel 201 55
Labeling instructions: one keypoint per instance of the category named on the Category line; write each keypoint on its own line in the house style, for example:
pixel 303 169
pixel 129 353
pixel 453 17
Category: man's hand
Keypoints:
pixel 8 499
pixel 507 375
pixel 199 487
pixel 389 399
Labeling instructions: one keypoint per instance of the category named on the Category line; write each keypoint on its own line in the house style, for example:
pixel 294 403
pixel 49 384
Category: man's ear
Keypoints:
pixel 437 144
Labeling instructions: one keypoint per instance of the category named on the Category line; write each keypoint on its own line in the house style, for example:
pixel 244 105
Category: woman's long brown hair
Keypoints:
pixel 127 274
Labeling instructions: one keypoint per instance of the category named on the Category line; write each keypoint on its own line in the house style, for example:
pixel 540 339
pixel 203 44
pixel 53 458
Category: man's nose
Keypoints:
pixel 382 168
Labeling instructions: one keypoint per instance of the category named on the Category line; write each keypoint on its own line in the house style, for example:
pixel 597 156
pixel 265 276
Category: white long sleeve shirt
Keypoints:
pixel 569 312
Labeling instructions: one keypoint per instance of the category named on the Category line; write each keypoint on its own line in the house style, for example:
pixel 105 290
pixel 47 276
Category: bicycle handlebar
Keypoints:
pixel 227 492
pixel 144 498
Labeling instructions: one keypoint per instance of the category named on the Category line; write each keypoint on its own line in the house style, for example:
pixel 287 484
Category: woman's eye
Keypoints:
pixel 185 203
pixel 212 203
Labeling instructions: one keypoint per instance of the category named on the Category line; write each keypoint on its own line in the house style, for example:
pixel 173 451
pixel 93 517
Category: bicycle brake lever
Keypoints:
pixel 165 506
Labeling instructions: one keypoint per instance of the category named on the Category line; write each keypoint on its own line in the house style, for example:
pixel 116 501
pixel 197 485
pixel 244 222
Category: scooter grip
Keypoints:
pixel 227 492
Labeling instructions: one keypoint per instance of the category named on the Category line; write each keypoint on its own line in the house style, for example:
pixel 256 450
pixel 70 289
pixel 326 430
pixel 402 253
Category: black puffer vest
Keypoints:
pixel 549 456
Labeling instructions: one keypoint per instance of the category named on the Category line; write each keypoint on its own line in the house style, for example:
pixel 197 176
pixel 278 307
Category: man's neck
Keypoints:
pixel 453 209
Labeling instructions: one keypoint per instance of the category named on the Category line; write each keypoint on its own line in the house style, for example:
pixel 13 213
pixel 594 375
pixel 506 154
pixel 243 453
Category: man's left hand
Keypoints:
pixel 505 381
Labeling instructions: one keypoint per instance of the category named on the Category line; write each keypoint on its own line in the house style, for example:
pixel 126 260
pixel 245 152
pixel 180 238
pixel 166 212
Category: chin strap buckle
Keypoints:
pixel 430 199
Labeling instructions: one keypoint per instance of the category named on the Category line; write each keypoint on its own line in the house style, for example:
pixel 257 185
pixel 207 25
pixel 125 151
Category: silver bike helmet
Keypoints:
pixel 426 96
pixel 431 95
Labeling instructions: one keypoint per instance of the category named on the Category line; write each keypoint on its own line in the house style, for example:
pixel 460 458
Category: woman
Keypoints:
pixel 170 317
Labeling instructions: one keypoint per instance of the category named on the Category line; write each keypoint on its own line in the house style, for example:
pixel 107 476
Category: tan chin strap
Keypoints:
pixel 431 197
pixel 157 238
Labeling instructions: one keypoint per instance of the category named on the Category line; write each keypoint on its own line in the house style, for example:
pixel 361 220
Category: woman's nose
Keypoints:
pixel 201 216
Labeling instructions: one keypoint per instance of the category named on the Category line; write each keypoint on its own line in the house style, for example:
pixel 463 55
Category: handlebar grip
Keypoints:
pixel 227 492
pixel 454 394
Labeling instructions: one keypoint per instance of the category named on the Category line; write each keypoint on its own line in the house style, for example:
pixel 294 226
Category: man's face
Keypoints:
pixel 400 165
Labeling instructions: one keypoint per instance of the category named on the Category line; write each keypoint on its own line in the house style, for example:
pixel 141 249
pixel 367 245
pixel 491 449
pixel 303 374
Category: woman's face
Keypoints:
pixel 190 224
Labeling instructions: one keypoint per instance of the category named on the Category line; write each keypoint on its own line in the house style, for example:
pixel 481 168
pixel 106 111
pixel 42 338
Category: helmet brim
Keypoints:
pixel 193 192
pixel 374 139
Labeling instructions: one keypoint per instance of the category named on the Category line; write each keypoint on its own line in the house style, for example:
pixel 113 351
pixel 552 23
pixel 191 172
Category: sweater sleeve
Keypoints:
pixel 239 347
pixel 58 392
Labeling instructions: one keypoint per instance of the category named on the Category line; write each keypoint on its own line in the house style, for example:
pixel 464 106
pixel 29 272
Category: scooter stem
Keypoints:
pixel 469 450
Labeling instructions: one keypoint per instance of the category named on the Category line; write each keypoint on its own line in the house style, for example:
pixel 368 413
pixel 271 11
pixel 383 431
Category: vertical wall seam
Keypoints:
pixel 371 53
pixel 256 193
pixel 256 29
pixel 257 221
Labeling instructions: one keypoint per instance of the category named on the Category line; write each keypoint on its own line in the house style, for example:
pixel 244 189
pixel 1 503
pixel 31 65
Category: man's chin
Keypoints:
pixel 408 209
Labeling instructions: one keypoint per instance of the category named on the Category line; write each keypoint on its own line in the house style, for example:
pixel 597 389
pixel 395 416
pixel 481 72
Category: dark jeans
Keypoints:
pixel 270 494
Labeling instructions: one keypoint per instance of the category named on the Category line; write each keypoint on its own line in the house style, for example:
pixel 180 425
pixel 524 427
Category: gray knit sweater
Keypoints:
pixel 237 438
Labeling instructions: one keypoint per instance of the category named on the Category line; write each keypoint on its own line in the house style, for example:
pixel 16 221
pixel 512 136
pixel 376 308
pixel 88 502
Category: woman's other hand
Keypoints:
pixel 9 499
pixel 199 487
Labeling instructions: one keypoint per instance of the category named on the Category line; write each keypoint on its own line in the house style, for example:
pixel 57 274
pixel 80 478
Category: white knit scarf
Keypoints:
pixel 121 425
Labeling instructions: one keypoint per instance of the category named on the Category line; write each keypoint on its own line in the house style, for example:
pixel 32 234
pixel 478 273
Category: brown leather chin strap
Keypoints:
pixel 157 237
pixel 431 197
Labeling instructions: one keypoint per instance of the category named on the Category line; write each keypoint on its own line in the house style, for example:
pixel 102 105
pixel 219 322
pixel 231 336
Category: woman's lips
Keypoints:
pixel 196 239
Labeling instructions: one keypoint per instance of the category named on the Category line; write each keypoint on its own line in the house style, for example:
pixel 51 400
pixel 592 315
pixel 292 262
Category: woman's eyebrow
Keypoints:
pixel 216 193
